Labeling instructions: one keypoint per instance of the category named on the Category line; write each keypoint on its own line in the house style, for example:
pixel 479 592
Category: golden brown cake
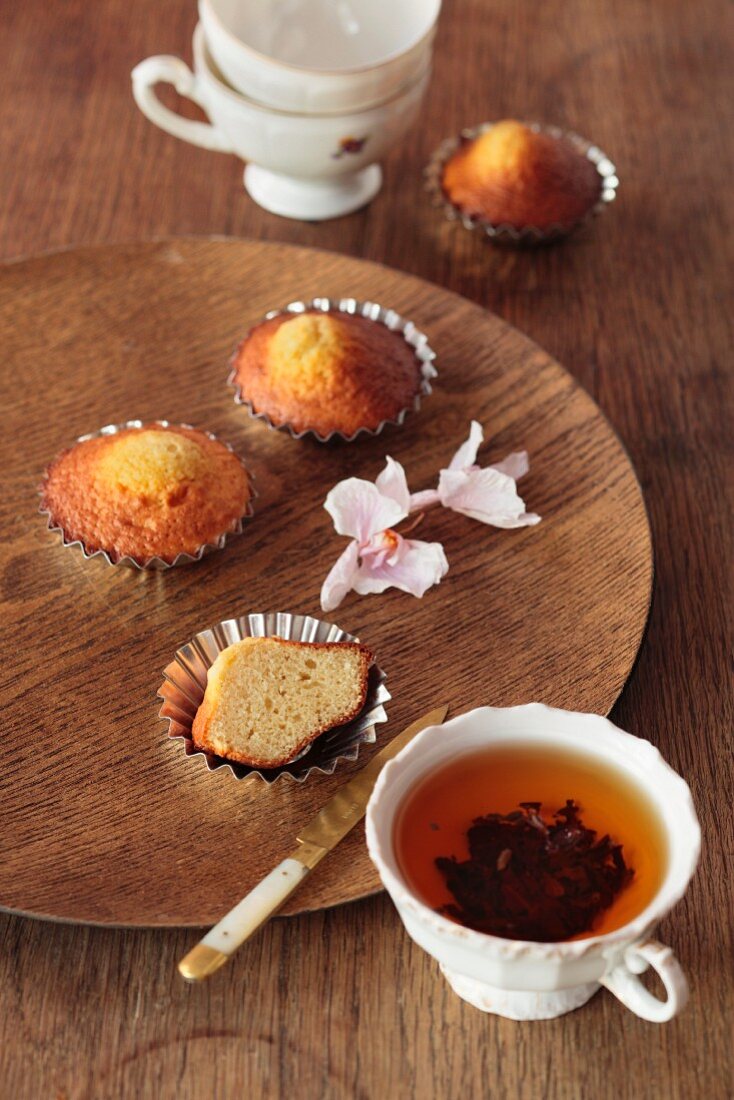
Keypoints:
pixel 511 175
pixel 326 373
pixel 267 699
pixel 146 492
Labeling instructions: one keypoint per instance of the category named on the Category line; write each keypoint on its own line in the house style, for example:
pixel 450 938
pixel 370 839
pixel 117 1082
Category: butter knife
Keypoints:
pixel 340 814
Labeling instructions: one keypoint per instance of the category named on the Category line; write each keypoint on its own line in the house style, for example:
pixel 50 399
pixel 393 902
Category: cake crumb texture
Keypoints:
pixel 266 699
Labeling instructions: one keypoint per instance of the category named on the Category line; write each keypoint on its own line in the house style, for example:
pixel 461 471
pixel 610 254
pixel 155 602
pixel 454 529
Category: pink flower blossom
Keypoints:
pixel 487 494
pixel 378 557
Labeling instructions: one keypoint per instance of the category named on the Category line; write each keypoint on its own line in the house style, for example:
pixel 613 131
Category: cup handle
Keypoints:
pixel 623 982
pixel 171 70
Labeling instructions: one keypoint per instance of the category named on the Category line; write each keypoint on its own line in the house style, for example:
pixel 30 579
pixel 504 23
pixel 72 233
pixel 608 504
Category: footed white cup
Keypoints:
pixel 319 56
pixel 526 980
pixel 309 167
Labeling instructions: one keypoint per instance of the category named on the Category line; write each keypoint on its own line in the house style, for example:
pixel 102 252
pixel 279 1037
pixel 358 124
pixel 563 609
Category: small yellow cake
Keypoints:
pixel 327 373
pixel 511 175
pixel 146 492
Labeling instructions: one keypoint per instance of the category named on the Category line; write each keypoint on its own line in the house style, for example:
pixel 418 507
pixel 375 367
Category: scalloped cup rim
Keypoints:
pixel 668 895
pixel 406 328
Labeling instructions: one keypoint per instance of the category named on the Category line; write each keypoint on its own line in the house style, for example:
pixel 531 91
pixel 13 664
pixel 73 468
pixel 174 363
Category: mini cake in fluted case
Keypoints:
pixel 326 372
pixel 147 492
pixel 513 175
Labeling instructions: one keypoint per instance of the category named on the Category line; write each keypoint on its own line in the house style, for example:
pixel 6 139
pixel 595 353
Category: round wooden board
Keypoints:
pixel 103 818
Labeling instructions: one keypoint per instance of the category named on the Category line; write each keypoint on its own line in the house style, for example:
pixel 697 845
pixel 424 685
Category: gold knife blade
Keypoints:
pixel 342 812
pixel 331 824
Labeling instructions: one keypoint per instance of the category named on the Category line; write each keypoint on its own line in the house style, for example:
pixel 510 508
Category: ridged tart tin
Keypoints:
pixel 154 562
pixel 372 311
pixel 185 679
pixel 527 235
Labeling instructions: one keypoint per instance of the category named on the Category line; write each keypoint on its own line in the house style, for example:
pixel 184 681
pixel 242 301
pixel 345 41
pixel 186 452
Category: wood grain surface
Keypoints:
pixel 553 612
pixel 340 1003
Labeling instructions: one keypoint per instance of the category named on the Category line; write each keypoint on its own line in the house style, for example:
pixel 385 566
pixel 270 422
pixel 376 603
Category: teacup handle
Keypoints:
pixel 627 987
pixel 171 70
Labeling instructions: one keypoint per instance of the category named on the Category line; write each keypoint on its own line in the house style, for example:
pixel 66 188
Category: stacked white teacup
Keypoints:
pixel 311 93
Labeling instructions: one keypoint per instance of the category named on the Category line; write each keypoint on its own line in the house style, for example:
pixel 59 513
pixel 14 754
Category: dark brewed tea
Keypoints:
pixel 604 841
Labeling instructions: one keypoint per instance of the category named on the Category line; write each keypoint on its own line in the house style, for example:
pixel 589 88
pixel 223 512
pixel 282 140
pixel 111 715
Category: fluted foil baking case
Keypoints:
pixel 156 562
pixel 417 340
pixel 528 234
pixel 185 678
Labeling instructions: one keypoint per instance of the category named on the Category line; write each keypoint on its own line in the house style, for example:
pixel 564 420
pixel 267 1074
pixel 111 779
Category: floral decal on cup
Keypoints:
pixel 350 145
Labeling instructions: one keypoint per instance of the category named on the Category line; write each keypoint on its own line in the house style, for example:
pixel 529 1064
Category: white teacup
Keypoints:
pixel 300 166
pixel 526 980
pixel 319 56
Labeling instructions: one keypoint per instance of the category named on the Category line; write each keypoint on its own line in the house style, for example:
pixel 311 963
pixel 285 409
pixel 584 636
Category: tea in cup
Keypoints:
pixel 531 851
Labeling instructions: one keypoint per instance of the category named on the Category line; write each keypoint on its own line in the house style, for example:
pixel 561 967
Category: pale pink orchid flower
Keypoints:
pixel 378 557
pixel 488 494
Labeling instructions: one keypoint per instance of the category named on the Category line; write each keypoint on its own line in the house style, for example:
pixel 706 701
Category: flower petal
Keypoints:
pixel 515 465
pixel 360 510
pixel 425 499
pixel 341 578
pixel 467 452
pixel 486 495
pixel 420 565
pixel 392 483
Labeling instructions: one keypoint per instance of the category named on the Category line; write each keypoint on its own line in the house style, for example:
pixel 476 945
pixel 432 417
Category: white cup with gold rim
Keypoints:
pixel 319 56
pixel 523 979
pixel 309 167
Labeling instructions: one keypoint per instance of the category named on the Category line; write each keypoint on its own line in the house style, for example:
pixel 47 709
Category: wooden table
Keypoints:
pixel 341 1003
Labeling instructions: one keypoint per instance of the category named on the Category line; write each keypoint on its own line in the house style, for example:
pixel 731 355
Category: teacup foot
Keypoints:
pixel 519 1004
pixel 312 200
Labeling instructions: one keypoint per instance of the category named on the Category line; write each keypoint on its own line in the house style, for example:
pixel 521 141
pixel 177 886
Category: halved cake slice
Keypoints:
pixel 266 699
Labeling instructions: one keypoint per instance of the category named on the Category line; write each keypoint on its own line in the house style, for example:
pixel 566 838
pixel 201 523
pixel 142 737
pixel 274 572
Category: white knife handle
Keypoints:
pixel 255 908
pixel 249 914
